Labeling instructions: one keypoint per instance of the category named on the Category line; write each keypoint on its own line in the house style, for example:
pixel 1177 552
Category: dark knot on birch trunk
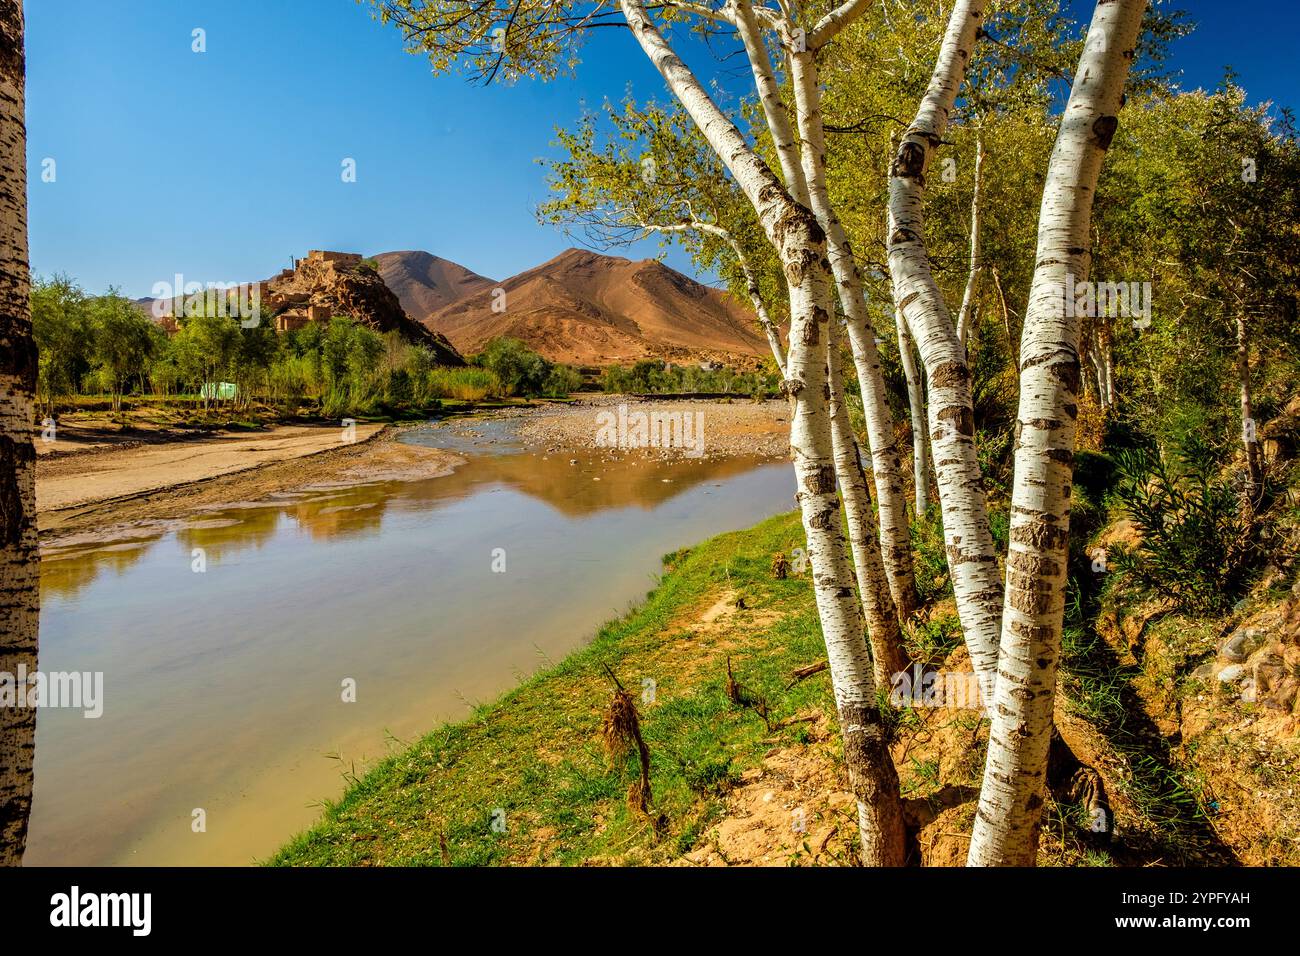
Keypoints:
pixel 909 162
pixel 1103 128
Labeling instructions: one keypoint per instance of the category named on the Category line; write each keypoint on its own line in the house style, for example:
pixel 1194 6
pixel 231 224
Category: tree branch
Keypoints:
pixel 831 25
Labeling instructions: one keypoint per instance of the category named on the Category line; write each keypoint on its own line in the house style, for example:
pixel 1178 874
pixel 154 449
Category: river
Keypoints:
pixel 230 643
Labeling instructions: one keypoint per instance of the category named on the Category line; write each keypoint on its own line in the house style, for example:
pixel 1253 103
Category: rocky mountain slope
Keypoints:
pixel 586 308
pixel 425 283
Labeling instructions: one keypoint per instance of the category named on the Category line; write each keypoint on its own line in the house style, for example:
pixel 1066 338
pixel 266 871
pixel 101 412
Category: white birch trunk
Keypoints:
pixel 19 560
pixel 769 97
pixel 884 634
pixel 886 465
pixel 916 408
pixel 801 245
pixel 764 319
pixel 1249 438
pixel 972 559
pixel 834 22
pixel 1012 795
pixel 804 173
pixel 964 315
pixel 1099 376
pixel 1104 334
pixel 1099 359
pixel 1108 365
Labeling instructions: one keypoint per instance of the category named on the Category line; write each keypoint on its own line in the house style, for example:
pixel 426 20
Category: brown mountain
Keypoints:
pixel 425 283
pixel 585 308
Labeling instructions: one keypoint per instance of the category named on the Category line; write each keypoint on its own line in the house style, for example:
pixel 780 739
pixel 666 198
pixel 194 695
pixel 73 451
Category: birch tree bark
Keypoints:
pixel 1097 346
pixel 769 97
pixel 1108 366
pixel 1013 344
pixel 972 559
pixel 1249 438
pixel 1012 795
pixel 976 265
pixel 1098 376
pixel 803 167
pixel 1104 340
pixel 883 631
pixel 886 466
pixel 916 408
pixel 799 241
pixel 19 563
pixel 760 307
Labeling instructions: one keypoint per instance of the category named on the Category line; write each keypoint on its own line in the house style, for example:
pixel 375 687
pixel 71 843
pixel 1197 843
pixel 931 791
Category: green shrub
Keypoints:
pixel 398 391
pixel 561 381
pixel 656 377
pixel 931 559
pixel 1196 545
pixel 1000 526
pixel 995 450
pixel 521 371
pixel 468 384
pixel 336 402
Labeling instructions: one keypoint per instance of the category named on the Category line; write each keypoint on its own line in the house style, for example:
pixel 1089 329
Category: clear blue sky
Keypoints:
pixel 224 164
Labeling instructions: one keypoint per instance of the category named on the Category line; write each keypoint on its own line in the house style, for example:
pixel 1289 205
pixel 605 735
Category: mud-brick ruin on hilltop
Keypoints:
pixel 326 284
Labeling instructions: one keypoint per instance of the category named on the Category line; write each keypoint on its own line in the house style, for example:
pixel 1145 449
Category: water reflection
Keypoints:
pixel 574 487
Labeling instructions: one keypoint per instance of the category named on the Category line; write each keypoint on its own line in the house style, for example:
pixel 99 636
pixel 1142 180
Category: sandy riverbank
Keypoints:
pixel 108 472
pixel 95 490
pixel 103 486
pixel 719 429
